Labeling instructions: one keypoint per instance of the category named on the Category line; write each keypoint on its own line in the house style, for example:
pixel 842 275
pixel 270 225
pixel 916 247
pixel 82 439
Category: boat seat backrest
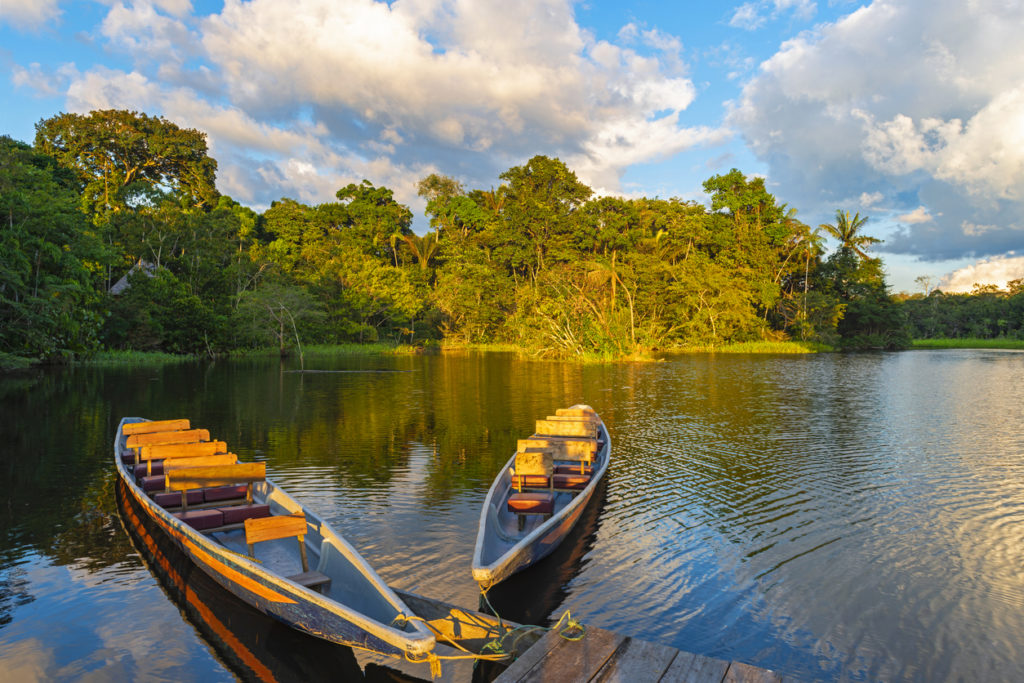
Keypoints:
pixel 181 450
pixel 576 428
pixel 188 478
pixel 533 469
pixel 563 449
pixel 576 411
pixel 535 461
pixel 171 464
pixel 279 526
pixel 133 428
pixel 177 436
pixel 153 456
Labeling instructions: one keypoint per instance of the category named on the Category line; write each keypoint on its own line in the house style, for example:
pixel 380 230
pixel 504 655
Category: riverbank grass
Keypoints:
pixel 787 347
pixel 9 362
pixel 968 343
pixel 133 358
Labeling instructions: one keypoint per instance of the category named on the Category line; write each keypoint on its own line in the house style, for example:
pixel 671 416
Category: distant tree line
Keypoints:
pixel 985 313
pixel 537 261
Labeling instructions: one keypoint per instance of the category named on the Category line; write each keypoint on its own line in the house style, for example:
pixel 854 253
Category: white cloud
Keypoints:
pixel 44 82
pixel 149 35
pixel 918 215
pixel 751 16
pixel 870 199
pixel 919 101
pixel 803 9
pixel 994 271
pixel 388 92
pixel 747 16
pixel 28 14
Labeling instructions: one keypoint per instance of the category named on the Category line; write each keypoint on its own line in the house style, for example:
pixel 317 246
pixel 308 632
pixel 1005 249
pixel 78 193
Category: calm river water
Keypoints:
pixel 831 517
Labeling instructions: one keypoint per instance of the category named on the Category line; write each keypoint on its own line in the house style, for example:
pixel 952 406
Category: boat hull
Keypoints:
pixel 490 567
pixel 270 593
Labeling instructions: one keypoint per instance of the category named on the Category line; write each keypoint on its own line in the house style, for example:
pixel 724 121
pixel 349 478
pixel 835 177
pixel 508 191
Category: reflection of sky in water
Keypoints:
pixel 98 627
pixel 836 516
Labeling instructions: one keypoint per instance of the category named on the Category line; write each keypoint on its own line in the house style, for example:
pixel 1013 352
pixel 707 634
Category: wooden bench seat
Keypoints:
pixel 285 526
pixel 532 469
pixel 214 476
pixel 151 454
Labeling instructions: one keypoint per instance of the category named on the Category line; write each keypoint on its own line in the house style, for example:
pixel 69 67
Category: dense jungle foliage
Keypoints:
pixel 538 262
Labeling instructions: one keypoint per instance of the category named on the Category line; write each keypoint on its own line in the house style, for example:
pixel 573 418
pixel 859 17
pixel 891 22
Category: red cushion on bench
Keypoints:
pixel 533 481
pixel 225 493
pixel 537 503
pixel 158 468
pixel 573 468
pixel 571 481
pixel 153 483
pixel 172 499
pixel 201 519
pixel 239 513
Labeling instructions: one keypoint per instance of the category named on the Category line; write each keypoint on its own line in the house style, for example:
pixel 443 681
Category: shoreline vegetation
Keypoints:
pixel 155 358
pixel 968 343
pixel 10 362
pixel 117 241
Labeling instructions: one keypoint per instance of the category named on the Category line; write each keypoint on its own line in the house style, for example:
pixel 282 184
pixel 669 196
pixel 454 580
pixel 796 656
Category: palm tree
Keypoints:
pixel 846 231
pixel 423 248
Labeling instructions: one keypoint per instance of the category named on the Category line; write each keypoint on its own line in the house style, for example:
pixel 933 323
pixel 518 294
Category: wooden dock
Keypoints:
pixel 605 657
pixel 600 656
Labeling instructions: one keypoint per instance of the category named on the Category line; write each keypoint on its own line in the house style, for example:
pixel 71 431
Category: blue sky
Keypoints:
pixel 910 111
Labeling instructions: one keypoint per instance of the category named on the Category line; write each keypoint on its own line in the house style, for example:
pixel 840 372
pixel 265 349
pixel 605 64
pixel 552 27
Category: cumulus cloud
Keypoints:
pixel 994 271
pixel 918 101
pixel 389 91
pixel 257 161
pixel 28 14
pixel 918 215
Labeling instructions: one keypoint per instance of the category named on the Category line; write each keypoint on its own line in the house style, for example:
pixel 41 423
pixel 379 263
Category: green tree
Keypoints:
pixel 124 159
pixel 51 262
pixel 540 208
pixel 871 317
pixel 276 311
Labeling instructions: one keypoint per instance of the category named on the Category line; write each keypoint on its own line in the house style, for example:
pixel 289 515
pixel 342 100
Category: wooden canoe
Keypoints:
pixel 338 597
pixel 508 542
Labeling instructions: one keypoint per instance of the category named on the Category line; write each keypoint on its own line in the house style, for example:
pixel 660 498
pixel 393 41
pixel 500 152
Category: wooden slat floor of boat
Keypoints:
pixel 607 657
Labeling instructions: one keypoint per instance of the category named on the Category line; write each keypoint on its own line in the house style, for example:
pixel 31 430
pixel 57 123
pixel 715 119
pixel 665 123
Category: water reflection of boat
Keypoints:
pixel 540 494
pixel 217 513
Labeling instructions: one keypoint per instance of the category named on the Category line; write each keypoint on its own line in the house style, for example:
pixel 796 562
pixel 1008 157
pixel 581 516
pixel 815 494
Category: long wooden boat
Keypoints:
pixel 540 493
pixel 258 542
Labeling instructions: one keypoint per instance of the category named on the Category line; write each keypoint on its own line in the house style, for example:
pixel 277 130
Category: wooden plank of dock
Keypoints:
pixel 606 657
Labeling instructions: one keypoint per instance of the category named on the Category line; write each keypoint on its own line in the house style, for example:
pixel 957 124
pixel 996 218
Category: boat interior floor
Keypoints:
pixel 280 556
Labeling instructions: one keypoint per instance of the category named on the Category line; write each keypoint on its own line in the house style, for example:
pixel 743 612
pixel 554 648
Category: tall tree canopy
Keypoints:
pixel 126 159
pixel 50 263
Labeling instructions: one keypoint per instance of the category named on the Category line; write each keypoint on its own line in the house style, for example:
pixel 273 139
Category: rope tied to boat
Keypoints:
pixel 434 659
pixel 495 650
pixel 566 627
